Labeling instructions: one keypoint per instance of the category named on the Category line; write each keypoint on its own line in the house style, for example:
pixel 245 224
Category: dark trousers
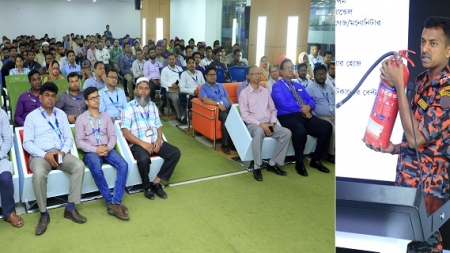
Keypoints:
pixel 168 152
pixel 225 136
pixel 7 193
pixel 301 127
pixel 153 89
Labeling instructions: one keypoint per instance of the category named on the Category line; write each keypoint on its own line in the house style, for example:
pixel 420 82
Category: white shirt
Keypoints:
pixel 138 67
pixel 205 62
pixel 312 60
pixel 189 82
pixel 330 81
pixel 305 82
pixel 170 75
pixel 102 55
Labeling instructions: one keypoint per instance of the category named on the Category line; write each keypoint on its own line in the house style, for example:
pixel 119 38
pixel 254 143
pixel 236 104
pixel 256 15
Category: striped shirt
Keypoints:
pixel 138 120
pixel 6 142
pixel 39 136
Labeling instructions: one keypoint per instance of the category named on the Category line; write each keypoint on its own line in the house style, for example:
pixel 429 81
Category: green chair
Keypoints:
pixel 16 79
pixel 62 86
pixel 14 91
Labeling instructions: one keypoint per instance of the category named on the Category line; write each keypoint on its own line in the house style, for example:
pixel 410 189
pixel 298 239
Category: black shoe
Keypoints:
pixel 157 188
pixel 148 193
pixel 257 175
pixel 179 120
pixel 275 169
pixel 42 225
pixel 226 149
pixel 184 121
pixel 300 168
pixel 331 159
pixel 161 110
pixel 318 165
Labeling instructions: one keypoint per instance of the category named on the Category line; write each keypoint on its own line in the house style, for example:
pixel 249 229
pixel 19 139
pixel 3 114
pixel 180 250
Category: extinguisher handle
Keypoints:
pixel 404 54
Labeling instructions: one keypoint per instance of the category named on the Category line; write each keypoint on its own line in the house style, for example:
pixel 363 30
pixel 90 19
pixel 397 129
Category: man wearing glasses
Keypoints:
pixel 295 107
pixel 46 134
pixel 112 99
pixel 95 135
pixel 213 93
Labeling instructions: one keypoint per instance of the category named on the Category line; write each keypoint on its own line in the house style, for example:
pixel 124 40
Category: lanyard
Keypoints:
pixel 74 98
pixel 110 99
pixel 173 69
pixel 130 59
pixel 147 113
pixel 140 67
pixel 196 77
pixel 216 91
pixel 324 92
pixel 56 130
pixel 32 99
pixel 99 122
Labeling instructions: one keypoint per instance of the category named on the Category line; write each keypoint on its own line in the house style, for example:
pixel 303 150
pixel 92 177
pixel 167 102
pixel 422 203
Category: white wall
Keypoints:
pixel 60 18
pixel 198 19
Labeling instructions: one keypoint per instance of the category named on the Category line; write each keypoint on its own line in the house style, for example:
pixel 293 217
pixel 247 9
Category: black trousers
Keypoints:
pixel 153 89
pixel 225 136
pixel 168 152
pixel 301 127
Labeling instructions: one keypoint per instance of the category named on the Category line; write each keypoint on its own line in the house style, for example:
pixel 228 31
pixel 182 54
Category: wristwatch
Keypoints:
pixel 217 103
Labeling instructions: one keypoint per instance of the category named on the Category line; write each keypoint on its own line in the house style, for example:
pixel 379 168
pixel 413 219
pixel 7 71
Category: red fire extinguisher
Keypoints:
pixel 385 108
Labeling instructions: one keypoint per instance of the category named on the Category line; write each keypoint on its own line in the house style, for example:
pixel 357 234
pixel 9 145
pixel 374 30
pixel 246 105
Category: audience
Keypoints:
pixel 151 72
pixel 19 69
pixel 170 76
pixel 98 80
pixel 72 100
pixel 54 72
pixel 71 66
pixel 29 100
pixel 273 78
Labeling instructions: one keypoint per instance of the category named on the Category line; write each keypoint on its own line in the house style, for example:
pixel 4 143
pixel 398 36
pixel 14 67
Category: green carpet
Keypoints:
pixel 231 214
pixel 197 160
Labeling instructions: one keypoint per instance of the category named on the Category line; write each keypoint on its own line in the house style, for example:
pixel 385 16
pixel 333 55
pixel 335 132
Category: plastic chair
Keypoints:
pixel 220 76
pixel 238 73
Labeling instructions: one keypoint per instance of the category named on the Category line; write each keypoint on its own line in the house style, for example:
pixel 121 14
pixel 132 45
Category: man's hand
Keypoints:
pixel 157 146
pixel 174 86
pixel 379 148
pixel 393 75
pixel 265 128
pixel 222 107
pixel 71 118
pixel 50 158
pixel 147 146
pixel 102 150
pixel 306 109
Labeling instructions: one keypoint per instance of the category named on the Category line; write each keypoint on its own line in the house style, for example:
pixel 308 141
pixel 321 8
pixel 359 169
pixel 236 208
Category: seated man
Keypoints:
pixel 197 59
pixel 29 100
pixel 138 67
pixel 151 72
pixel 6 182
pixel 72 100
pixel 142 128
pixel 331 74
pixel 47 133
pixel 208 57
pixel 112 99
pixel 302 78
pixel 241 87
pixel 294 107
pixel 31 63
pixel 95 135
pixel 170 79
pixel 213 93
pixel 217 55
pixel 102 54
pixel 323 95
pixel 237 59
pixel 189 81
pixel 259 113
pixel 273 77
pixel 98 81
pixel 125 64
pixel 71 66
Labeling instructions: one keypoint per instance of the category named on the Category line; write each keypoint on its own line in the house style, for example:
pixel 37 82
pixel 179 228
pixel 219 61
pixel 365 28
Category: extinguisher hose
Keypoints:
pixel 350 95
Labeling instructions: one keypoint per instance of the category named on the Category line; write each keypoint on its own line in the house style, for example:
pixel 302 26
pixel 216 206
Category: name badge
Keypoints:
pixel 149 132
pixel 299 90
pixel 331 107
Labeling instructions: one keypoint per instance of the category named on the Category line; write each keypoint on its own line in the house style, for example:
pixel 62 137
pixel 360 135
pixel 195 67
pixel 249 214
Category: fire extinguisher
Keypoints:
pixel 385 108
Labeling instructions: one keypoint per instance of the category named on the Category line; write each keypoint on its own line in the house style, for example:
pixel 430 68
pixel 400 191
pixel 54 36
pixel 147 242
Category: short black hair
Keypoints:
pixel 328 52
pixel 111 70
pixel 440 22
pixel 97 63
pixel 88 91
pixel 31 73
pixel 316 45
pixel 189 58
pixel 301 65
pixel 186 48
pixel 20 57
pixel 283 62
pixel 319 67
pixel 237 50
pixel 209 68
pixel 331 63
pixel 170 54
pixel 250 68
pixel 48 86
pixel 216 51
pixel 201 47
pixel 69 51
pixel 196 52
pixel 152 48
pixel 72 74
pixel 208 47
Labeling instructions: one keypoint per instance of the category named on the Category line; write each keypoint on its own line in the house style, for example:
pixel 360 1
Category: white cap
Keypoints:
pixel 45 43
pixel 142 79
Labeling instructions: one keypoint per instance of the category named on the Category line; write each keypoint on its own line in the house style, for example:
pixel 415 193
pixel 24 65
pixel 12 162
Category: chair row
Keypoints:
pixel 58 181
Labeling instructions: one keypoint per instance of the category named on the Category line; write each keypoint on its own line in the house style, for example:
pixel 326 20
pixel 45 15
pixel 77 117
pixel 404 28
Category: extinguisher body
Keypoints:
pixel 384 112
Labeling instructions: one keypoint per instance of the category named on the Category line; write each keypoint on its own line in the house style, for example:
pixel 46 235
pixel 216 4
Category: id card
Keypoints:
pixel 331 107
pixel 148 132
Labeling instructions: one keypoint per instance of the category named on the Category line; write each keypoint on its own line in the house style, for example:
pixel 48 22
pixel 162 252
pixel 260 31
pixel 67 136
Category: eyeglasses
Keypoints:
pixel 289 68
pixel 113 77
pixel 95 98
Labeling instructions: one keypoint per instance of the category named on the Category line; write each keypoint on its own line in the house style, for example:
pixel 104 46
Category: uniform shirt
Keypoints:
pixel 285 101
pixel 257 107
pixel 39 136
pixel 189 82
pixel 431 107
pixel 93 82
pixel 26 103
pixel 138 120
pixel 170 75
pixel 323 98
pixel 138 67
pixel 72 105
pixel 205 62
pixel 112 102
pixel 85 127
pixel 215 92
pixel 68 68
pixel 126 63
pixel 6 142
pixel 151 69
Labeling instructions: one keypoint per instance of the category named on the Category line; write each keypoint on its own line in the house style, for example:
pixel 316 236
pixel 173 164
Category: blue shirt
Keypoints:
pixel 67 69
pixel 39 136
pixel 215 92
pixel 93 82
pixel 112 102
pixel 285 101
pixel 323 98
pixel 126 62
